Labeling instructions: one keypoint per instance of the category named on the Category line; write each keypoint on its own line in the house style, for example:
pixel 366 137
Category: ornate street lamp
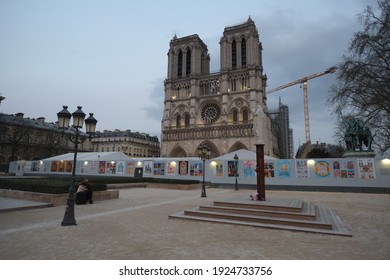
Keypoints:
pixel 204 153
pixel 236 169
pixel 76 137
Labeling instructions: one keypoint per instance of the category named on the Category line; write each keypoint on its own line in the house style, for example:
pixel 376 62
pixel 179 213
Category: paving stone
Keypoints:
pixel 136 227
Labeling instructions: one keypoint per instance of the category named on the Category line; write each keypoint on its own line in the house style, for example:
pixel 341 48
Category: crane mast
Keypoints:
pixel 303 81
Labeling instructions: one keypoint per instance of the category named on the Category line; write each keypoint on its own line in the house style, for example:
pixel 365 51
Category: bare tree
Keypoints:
pixel 363 86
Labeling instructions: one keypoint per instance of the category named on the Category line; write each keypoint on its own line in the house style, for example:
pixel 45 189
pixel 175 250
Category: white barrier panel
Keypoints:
pixel 337 172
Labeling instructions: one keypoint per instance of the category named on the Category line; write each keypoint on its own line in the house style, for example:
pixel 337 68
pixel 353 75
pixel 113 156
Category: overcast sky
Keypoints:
pixel 110 56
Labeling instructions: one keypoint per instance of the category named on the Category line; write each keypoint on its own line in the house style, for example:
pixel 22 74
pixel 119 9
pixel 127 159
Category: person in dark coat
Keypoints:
pixel 85 187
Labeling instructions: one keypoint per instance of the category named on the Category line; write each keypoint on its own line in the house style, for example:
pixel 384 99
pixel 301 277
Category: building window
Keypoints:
pixel 180 65
pixel 244 82
pixel 188 63
pixel 234 54
pixel 211 113
pixel 178 121
pixel 233 84
pixel 235 116
pixel 243 52
pixel 245 115
pixel 187 120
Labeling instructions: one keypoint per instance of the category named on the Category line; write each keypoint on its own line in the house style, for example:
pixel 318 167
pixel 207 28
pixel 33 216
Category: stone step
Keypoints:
pixel 308 212
pixel 181 216
pixel 294 205
pixel 287 214
pixel 259 219
pixel 330 216
pixel 25 206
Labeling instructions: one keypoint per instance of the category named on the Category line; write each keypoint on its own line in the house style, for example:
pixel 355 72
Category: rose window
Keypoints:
pixel 211 113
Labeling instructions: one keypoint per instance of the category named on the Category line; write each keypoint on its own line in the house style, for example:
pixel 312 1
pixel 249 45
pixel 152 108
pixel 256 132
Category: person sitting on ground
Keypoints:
pixel 84 187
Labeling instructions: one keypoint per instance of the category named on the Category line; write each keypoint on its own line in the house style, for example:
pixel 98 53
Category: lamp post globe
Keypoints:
pixel 78 118
pixel 64 118
pixel 90 124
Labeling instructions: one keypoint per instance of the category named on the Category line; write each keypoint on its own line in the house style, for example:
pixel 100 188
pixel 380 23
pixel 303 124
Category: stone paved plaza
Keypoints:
pixel 136 227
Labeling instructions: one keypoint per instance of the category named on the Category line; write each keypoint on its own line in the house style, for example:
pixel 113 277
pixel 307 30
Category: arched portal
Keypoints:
pixel 237 146
pixel 214 149
pixel 178 152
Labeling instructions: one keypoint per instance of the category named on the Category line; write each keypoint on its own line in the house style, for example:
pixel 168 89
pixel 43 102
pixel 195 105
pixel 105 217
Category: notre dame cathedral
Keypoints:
pixel 227 110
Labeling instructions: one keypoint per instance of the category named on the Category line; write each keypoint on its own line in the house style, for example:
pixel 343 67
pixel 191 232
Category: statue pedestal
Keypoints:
pixel 359 154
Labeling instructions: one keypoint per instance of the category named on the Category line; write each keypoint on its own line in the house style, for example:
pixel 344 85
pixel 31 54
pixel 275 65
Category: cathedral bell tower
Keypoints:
pixel 224 110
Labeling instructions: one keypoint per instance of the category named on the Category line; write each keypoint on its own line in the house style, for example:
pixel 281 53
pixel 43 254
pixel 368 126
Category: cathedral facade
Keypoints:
pixel 227 110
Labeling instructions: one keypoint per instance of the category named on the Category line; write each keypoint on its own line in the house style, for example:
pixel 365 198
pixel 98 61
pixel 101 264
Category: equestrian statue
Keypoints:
pixel 357 134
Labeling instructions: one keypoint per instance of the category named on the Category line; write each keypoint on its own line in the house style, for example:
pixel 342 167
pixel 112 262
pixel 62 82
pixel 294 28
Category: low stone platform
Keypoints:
pixel 13 204
pixel 285 214
pixel 55 199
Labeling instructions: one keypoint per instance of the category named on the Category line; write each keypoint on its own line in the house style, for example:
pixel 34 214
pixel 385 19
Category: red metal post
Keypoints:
pixel 260 171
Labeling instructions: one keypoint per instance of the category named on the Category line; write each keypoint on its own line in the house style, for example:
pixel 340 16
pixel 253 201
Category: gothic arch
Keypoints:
pixel 208 100
pixel 214 148
pixel 180 110
pixel 178 152
pixel 238 103
pixel 237 146
pixel 230 39
pixel 177 50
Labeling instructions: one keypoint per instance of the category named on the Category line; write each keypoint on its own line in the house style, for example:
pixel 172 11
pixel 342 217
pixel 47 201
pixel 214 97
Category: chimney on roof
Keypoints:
pixel 41 120
pixel 19 116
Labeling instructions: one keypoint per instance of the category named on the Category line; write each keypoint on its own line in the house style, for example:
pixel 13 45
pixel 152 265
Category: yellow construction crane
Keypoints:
pixel 303 81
